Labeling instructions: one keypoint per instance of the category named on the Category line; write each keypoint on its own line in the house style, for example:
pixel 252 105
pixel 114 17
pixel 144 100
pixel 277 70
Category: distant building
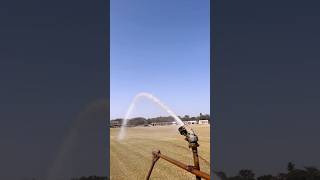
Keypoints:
pixel 163 123
pixel 203 121
pixel 115 123
pixel 190 122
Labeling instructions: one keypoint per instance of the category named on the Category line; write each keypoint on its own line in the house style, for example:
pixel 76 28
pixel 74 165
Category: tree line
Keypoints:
pixel 292 173
pixel 145 121
pixel 307 173
pixel 91 178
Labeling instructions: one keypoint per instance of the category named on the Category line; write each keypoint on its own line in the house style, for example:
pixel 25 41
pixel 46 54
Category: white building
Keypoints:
pixel 190 122
pixel 203 121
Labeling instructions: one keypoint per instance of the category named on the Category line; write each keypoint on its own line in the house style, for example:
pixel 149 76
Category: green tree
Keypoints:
pixel 312 173
pixel 246 174
pixel 290 166
pixel 222 175
pixel 266 177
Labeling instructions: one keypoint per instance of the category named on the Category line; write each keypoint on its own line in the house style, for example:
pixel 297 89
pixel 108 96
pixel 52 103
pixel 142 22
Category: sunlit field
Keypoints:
pixel 131 158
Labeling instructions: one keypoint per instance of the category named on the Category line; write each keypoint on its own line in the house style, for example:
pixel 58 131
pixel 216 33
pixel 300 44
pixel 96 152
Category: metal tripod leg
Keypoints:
pixel 192 169
pixel 154 160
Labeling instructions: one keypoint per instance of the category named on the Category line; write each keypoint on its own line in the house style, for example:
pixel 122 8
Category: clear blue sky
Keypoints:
pixel 161 47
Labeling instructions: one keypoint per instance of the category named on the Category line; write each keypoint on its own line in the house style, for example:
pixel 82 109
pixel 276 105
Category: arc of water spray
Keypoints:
pixel 154 99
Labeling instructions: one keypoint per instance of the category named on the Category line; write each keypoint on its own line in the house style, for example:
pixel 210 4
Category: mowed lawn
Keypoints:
pixel 130 159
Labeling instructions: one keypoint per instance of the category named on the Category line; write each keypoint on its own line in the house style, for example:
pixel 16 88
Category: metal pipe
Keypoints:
pixel 191 169
pixel 196 160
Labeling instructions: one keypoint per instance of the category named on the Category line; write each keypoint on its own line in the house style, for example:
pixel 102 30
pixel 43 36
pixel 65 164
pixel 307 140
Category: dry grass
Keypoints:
pixel 131 158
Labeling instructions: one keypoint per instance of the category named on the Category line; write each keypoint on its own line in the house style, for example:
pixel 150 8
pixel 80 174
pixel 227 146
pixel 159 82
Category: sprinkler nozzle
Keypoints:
pixel 183 131
pixel 190 136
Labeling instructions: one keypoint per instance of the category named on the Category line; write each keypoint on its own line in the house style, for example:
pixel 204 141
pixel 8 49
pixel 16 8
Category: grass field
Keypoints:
pixel 130 159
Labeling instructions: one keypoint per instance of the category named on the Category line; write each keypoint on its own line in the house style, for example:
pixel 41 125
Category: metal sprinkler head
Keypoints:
pixel 190 136
pixel 183 131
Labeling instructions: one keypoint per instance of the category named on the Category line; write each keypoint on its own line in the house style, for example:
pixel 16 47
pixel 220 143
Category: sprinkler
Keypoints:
pixel 192 139
pixel 190 136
